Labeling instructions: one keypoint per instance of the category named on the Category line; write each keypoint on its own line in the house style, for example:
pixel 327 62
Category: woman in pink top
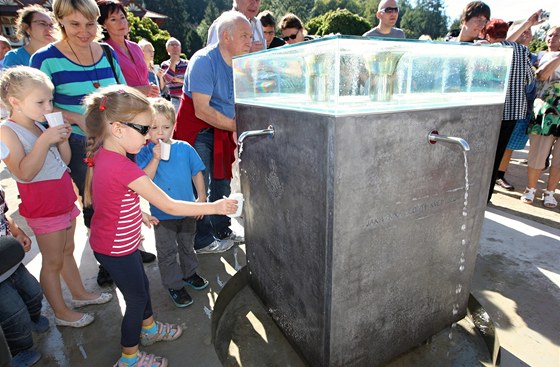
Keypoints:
pixel 131 57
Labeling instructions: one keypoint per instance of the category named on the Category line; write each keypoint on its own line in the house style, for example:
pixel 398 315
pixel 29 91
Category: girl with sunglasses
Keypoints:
pixel 118 120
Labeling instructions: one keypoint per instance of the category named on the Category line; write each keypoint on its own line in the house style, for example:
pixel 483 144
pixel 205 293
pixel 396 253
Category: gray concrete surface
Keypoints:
pixel 517 280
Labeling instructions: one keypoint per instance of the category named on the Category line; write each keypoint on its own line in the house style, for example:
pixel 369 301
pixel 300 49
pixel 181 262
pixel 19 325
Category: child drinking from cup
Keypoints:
pixel 174 234
pixel 37 162
pixel 118 121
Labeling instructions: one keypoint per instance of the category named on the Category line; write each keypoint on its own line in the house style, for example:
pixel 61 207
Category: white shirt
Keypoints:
pixel 256 26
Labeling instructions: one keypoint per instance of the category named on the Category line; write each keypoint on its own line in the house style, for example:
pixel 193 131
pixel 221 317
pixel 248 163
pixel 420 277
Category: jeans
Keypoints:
pixel 20 307
pixel 78 170
pixel 175 236
pixel 211 225
pixel 129 276
pixel 175 102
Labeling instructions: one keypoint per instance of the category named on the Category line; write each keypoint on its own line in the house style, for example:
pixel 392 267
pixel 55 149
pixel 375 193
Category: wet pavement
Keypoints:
pixel 517 281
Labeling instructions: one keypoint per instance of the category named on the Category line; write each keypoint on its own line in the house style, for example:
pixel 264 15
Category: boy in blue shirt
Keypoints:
pixel 174 235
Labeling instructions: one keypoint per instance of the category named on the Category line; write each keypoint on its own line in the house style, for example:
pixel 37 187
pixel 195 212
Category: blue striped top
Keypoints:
pixel 72 81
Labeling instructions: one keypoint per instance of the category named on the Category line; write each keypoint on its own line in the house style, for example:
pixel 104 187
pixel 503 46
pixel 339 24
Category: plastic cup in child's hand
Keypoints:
pixel 54 119
pixel 165 150
pixel 239 198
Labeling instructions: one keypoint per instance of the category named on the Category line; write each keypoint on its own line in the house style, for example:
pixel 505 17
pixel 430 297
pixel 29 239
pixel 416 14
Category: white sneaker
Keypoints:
pixel 216 247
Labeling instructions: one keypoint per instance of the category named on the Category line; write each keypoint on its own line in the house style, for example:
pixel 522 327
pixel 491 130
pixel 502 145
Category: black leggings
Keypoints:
pixel 129 276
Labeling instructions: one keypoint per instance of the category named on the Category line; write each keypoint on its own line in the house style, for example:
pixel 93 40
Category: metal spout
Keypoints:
pixel 246 134
pixel 434 137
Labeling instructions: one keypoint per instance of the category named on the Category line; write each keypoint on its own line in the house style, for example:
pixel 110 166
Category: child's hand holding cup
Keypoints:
pixel 165 150
pixel 239 198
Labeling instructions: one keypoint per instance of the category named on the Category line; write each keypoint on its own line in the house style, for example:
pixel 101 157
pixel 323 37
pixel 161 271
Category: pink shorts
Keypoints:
pixel 53 224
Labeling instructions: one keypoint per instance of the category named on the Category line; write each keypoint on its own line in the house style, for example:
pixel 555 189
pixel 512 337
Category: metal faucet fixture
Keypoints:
pixel 246 134
pixel 434 137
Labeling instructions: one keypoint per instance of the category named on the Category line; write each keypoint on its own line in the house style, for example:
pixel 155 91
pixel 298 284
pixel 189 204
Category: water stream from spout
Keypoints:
pixel 240 151
pixel 462 260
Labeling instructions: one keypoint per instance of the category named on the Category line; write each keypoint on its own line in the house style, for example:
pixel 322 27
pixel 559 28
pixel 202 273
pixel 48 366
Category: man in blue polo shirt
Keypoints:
pixel 206 120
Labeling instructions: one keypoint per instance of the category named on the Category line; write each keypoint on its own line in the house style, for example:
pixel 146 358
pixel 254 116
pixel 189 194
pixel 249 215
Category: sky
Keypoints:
pixel 509 10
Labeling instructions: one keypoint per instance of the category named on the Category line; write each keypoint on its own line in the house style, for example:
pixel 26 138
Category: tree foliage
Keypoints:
pixel 301 8
pixel 323 6
pixel 428 17
pixel 147 29
pixel 338 21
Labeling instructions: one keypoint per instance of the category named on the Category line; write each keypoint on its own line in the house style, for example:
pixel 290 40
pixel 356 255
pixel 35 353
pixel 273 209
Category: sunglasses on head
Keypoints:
pixel 142 129
pixel 290 37
pixel 390 10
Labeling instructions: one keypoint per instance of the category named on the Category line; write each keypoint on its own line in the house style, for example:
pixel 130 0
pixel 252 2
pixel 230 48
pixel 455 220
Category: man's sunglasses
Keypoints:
pixel 390 10
pixel 142 129
pixel 290 37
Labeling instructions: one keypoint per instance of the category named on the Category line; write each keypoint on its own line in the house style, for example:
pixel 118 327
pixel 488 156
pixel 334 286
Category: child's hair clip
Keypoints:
pixel 89 161
pixel 102 104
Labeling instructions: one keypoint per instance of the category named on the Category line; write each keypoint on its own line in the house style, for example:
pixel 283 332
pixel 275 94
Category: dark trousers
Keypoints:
pixel 211 225
pixel 129 276
pixel 506 129
pixel 78 170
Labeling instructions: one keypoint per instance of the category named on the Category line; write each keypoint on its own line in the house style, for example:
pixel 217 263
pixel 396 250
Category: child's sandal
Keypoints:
pixel 165 332
pixel 549 200
pixel 145 360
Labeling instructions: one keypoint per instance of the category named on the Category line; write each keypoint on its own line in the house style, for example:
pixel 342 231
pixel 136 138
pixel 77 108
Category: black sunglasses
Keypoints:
pixel 142 129
pixel 290 37
pixel 390 10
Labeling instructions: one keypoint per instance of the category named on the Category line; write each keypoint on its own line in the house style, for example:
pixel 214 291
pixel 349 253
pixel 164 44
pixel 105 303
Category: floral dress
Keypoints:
pixel 547 106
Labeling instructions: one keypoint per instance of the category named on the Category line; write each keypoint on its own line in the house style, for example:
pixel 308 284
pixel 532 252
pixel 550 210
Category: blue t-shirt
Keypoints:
pixel 173 176
pixel 208 73
pixel 17 57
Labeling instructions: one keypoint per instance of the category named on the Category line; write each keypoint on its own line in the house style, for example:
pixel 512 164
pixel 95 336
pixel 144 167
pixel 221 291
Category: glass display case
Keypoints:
pixel 343 75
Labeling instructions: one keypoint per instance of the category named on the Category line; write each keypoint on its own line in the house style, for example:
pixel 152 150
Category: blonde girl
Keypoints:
pixel 118 120
pixel 37 161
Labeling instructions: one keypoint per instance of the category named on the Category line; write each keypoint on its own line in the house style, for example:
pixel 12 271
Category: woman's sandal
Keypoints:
pixel 549 200
pixel 165 332
pixel 528 196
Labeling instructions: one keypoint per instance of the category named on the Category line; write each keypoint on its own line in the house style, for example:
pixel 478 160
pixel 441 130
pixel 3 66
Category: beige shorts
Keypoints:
pixel 539 151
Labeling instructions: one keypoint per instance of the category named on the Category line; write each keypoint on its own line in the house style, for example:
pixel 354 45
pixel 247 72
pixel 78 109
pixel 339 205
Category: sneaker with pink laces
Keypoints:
pixel 165 332
pixel 145 360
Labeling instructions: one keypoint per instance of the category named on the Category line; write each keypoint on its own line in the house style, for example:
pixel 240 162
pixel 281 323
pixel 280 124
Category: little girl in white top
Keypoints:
pixel 37 162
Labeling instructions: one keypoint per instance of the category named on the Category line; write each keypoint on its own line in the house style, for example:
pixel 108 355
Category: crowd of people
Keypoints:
pixel 121 111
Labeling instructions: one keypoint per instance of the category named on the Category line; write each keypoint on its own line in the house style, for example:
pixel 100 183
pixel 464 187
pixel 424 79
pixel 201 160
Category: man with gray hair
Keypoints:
pixel 173 71
pixel 249 8
pixel 388 14
pixel 206 119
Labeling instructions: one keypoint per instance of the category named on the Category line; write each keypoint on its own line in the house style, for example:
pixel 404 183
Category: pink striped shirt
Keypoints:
pixel 117 219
